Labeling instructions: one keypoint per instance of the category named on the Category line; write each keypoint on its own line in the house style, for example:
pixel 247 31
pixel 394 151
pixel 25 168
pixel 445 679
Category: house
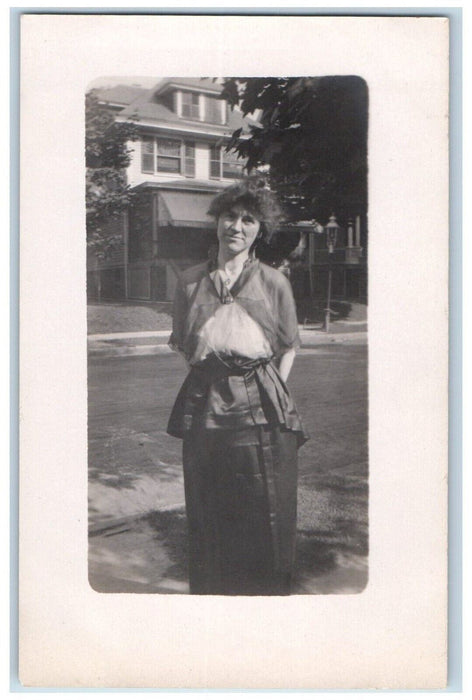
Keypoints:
pixel 178 165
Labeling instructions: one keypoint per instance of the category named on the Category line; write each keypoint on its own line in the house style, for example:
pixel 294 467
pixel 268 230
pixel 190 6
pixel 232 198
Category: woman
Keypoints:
pixel 235 323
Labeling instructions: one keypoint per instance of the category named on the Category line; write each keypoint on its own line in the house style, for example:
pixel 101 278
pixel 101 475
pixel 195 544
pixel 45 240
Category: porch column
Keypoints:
pixel 155 225
pixel 350 234
pixel 358 231
pixel 125 248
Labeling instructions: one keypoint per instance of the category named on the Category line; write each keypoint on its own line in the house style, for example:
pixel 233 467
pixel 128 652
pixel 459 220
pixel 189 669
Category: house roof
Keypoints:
pixel 120 94
pixel 148 109
pixel 196 83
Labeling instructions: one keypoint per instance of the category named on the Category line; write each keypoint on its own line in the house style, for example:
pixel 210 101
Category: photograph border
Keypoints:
pixel 455 309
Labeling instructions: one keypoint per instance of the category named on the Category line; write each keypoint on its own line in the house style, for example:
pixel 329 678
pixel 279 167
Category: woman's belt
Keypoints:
pixel 226 365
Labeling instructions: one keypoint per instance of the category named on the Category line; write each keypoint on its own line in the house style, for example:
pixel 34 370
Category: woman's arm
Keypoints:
pixel 179 313
pixel 286 324
pixel 285 363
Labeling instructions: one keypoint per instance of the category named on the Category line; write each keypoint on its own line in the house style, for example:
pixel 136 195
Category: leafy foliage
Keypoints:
pixel 313 134
pixel 107 155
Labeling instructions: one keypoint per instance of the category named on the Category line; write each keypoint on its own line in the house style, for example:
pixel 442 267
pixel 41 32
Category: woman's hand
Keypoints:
pixel 285 364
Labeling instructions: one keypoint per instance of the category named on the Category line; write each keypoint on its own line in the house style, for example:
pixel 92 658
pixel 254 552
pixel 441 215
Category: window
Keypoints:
pixel 224 165
pixel 213 110
pixel 191 105
pixel 232 165
pixel 167 156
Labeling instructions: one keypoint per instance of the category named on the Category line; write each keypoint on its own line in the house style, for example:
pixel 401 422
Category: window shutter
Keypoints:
pixel 189 159
pixel 190 105
pixel 215 162
pixel 212 110
pixel 147 154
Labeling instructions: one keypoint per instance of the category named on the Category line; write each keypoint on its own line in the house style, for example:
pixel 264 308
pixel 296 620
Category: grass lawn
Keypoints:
pixel 129 318
pixel 156 316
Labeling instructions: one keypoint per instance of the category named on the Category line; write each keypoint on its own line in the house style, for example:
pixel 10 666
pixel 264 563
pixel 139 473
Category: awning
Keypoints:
pixel 184 209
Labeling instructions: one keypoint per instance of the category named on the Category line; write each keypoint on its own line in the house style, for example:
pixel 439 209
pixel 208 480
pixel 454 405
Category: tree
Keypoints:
pixel 107 155
pixel 313 134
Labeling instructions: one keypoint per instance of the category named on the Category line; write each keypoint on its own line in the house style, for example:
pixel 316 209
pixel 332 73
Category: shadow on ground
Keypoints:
pixel 149 555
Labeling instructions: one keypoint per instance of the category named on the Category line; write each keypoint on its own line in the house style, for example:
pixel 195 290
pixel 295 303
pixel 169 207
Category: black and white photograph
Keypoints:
pixel 227 335
pixel 233 400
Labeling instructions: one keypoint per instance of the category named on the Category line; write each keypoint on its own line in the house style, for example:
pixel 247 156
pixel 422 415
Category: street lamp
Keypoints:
pixel 332 228
pixel 308 229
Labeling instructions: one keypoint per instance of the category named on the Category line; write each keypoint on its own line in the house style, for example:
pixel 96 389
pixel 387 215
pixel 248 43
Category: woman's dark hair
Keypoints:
pixel 253 195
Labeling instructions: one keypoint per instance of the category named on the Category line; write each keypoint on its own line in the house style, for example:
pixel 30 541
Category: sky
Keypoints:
pixel 145 81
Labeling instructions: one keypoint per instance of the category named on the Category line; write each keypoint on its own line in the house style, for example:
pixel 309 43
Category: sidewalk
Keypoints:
pixel 155 342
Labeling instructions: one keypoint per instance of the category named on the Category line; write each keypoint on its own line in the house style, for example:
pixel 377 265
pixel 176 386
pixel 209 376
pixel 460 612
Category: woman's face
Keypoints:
pixel 237 230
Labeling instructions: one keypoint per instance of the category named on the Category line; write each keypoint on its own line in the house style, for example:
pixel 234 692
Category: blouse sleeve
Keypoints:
pixel 179 315
pixel 286 320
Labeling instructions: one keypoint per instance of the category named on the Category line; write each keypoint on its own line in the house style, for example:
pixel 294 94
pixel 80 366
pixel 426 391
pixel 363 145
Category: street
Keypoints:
pixel 136 504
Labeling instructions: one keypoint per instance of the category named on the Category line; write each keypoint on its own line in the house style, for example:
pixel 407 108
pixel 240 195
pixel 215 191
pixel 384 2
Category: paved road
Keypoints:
pixel 136 510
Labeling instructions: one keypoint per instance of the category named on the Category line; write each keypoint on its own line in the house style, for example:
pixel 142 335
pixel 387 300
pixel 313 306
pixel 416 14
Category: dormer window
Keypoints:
pixel 200 107
pixel 190 105
pixel 215 112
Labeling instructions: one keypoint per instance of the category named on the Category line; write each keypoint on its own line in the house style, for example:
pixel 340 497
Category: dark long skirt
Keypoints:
pixel 241 502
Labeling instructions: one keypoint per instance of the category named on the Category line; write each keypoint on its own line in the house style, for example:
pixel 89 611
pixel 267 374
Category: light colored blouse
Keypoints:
pixel 230 332
pixel 263 293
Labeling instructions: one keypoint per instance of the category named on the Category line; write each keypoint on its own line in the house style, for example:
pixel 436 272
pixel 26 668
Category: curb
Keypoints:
pixel 130 351
pixel 129 334
pixel 112 526
pixel 103 349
